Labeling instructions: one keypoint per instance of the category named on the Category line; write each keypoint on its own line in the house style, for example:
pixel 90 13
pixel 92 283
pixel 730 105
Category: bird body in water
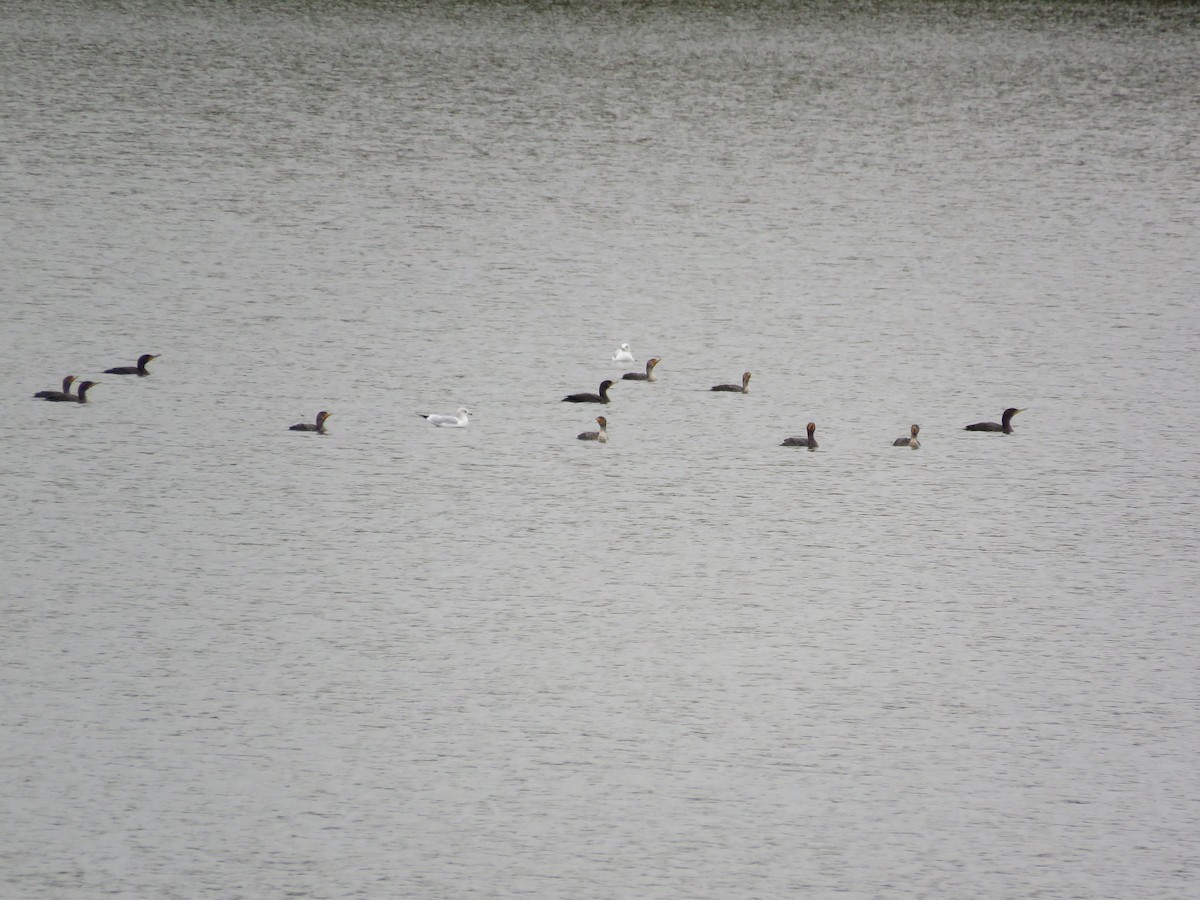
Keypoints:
pixel 911 440
pixel 1004 425
pixel 458 420
pixel 623 354
pixel 64 394
pixel 140 369
pixel 601 397
pixel 743 388
pixel 601 435
pixel 67 397
pixel 807 441
pixel 319 427
pixel 648 375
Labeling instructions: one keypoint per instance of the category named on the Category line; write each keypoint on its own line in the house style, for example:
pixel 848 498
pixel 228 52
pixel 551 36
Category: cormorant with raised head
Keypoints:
pixel 648 375
pixel 81 397
pixel 807 441
pixel 319 427
pixel 601 397
pixel 140 369
pixel 601 435
pixel 743 388
pixel 911 440
pixel 64 394
pixel 1004 425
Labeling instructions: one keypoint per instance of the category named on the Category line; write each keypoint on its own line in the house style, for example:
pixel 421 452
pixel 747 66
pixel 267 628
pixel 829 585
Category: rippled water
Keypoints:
pixel 395 660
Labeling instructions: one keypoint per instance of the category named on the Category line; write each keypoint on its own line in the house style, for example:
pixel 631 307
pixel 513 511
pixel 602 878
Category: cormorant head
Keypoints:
pixel 145 358
pixel 601 421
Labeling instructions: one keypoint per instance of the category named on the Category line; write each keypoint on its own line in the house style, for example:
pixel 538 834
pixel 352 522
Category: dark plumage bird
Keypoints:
pixel 743 388
pixel 66 397
pixel 807 441
pixel 601 397
pixel 140 369
pixel 601 435
pixel 64 394
pixel 1004 425
pixel 319 427
pixel 648 375
pixel 911 440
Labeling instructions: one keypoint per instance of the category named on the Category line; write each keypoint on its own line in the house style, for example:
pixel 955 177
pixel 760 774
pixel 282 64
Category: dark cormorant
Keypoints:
pixel 602 397
pixel 139 370
pixel 319 427
pixel 647 376
pixel 81 397
pixel 910 441
pixel 1005 423
pixel 743 388
pixel 601 435
pixel 808 441
pixel 64 394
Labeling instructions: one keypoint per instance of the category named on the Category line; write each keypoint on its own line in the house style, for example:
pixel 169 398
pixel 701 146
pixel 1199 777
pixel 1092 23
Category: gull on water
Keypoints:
pixel 458 420
pixel 623 354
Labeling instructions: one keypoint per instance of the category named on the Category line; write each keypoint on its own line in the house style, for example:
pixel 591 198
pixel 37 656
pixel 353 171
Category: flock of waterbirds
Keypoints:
pixel 808 440
pixel 460 418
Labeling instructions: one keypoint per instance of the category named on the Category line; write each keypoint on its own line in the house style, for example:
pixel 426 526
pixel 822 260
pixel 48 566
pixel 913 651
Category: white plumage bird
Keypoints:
pixel 458 420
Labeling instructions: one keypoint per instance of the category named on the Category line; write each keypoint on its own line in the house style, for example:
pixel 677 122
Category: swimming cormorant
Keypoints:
pixel 601 435
pixel 319 427
pixel 743 388
pixel 648 375
pixel 1005 423
pixel 911 440
pixel 140 369
pixel 808 441
pixel 601 397
pixel 64 394
pixel 81 397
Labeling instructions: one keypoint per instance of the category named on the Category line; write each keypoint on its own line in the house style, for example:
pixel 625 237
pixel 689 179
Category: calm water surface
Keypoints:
pixel 395 660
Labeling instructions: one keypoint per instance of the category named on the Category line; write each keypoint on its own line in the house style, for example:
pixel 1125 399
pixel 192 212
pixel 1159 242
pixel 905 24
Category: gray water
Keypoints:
pixel 396 660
